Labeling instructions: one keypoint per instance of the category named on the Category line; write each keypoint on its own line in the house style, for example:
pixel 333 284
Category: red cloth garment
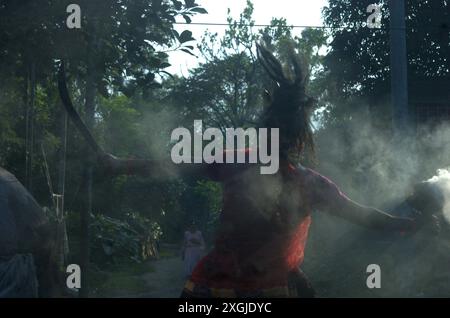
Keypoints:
pixel 222 270
pixel 264 226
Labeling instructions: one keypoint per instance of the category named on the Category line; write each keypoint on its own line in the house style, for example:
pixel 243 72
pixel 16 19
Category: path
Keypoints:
pixel 166 280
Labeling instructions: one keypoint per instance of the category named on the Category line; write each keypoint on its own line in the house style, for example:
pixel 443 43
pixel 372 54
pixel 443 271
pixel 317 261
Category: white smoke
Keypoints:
pixel 441 182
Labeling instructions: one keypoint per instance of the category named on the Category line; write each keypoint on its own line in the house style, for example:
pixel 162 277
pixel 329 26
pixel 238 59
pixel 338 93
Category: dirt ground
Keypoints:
pixel 166 281
pixel 336 259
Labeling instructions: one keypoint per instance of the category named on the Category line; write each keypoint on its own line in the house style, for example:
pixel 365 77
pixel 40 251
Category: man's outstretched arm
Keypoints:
pixel 157 169
pixel 326 196
pixel 120 166
pixel 370 217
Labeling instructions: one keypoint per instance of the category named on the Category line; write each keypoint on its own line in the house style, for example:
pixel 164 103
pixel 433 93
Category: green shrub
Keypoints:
pixel 114 241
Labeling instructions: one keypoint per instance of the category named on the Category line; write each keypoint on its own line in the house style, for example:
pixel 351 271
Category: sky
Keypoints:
pixel 296 12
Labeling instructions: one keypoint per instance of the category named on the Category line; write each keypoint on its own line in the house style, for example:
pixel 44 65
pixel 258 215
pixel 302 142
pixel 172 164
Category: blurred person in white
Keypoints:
pixel 192 248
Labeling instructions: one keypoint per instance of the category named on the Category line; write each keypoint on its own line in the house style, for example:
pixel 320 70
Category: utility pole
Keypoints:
pixel 400 114
pixel 399 64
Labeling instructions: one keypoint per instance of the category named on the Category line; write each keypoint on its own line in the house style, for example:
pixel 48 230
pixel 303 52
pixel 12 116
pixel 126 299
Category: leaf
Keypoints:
pixel 199 10
pixel 187 18
pixel 165 65
pixel 150 77
pixel 154 62
pixel 188 52
pixel 167 73
pixel 185 36
pixel 162 55
pixel 190 3
pixel 177 4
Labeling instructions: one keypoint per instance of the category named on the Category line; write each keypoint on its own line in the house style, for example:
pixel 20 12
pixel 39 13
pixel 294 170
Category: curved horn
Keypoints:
pixel 271 64
pixel 73 114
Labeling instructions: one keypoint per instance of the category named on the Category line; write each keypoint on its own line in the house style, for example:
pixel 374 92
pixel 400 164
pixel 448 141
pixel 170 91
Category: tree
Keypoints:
pixel 121 48
pixel 357 65
pixel 226 89
pixel 119 44
pixel 356 132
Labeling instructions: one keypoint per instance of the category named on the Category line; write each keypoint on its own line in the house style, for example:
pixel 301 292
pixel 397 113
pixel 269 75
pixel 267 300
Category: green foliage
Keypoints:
pixel 210 194
pixel 118 127
pixel 11 142
pixel 143 226
pixel 112 240
pixel 226 90
pixel 116 68
pixel 115 64
pixel 358 65
pixel 115 242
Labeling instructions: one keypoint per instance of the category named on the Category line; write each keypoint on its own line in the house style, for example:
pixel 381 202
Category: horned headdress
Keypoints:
pixel 289 107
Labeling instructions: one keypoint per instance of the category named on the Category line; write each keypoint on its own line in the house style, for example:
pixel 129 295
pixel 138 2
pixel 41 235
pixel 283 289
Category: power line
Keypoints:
pixel 442 26
pixel 255 25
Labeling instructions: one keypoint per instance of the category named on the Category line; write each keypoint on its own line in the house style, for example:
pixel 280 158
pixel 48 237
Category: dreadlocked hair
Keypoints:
pixel 289 106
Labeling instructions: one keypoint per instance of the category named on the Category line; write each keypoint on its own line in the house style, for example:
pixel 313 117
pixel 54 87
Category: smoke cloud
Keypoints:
pixel 441 184
pixel 376 169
